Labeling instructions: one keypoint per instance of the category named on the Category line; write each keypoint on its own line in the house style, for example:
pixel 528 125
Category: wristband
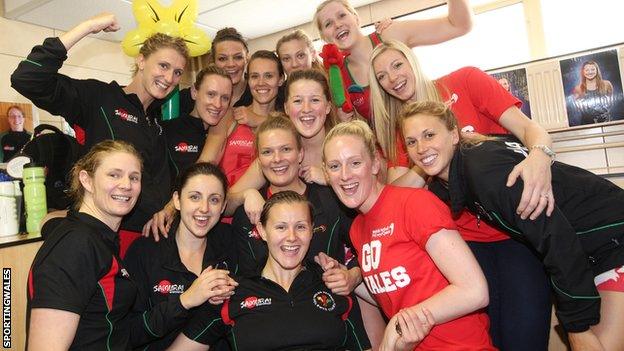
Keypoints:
pixel 548 151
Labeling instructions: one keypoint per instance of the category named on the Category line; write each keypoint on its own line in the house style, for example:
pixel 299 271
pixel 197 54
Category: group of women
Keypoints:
pixel 329 221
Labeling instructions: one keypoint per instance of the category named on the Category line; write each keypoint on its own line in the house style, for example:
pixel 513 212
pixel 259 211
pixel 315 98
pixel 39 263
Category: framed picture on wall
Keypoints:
pixel 593 88
pixel 515 82
pixel 16 125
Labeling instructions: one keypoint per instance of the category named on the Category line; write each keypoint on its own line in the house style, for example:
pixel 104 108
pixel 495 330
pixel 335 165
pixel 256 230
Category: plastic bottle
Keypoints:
pixel 34 196
pixel 9 217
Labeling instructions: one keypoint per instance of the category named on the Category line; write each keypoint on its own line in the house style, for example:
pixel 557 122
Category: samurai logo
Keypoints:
pixel 324 301
pixel 252 302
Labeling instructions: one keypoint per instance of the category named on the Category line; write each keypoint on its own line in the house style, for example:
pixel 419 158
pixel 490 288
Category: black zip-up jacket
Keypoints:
pixel 186 136
pixel 579 240
pixel 103 111
pixel 161 276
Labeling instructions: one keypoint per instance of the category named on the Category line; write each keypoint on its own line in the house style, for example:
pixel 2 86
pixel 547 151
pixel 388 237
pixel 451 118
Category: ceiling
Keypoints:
pixel 253 18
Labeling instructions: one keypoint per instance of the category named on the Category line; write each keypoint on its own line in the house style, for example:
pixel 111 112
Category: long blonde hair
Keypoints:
pixel 386 107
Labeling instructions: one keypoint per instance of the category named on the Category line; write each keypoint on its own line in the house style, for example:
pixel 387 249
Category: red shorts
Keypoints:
pixel 611 280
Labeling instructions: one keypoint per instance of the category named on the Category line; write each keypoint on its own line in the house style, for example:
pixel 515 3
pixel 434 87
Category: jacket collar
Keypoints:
pixel 454 192
pixel 171 256
pixel 110 237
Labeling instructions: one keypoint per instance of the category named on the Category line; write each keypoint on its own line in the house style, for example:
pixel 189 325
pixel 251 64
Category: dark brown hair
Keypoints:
pixel 288 197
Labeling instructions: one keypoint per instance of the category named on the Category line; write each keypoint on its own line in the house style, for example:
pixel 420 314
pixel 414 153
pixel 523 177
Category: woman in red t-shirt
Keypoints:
pixel 338 23
pixel 519 290
pixel 413 261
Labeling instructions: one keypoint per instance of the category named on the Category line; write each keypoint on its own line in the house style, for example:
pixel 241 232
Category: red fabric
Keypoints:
pixel 80 134
pixel 472 229
pixel 612 280
pixel 476 99
pixel 126 238
pixel 345 315
pixel 31 287
pixel 225 313
pixel 107 283
pixel 390 240
pixel 359 95
pixel 238 154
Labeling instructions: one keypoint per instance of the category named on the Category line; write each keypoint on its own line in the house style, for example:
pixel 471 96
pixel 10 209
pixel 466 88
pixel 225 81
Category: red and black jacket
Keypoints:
pixel 77 269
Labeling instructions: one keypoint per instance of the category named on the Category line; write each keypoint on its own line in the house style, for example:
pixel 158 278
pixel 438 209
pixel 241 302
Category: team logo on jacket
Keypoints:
pixel 385 231
pixel 124 115
pixel 252 302
pixel 324 301
pixel 184 147
pixel 253 233
pixel 165 287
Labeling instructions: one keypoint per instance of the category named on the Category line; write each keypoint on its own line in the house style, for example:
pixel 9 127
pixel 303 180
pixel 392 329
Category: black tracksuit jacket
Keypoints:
pixel 103 111
pixel 582 238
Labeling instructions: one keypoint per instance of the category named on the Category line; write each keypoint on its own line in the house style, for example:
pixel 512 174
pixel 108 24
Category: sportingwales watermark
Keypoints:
pixel 6 308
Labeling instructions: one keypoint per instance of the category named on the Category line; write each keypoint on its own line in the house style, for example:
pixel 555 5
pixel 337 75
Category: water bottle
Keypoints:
pixel 9 217
pixel 34 196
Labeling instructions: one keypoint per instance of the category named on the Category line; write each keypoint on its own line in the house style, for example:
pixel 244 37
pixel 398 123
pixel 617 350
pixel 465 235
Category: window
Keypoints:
pixel 575 25
pixel 498 38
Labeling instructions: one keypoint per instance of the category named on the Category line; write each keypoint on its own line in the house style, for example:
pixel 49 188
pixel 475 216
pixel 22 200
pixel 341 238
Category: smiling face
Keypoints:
pixel 307 106
pixel 160 72
pixel 430 144
pixel 112 191
pixel 351 171
pixel 287 231
pixel 279 158
pixel 16 119
pixel 295 55
pixel 264 80
pixel 200 202
pixel 212 99
pixel 504 83
pixel 394 74
pixel 590 71
pixel 338 25
pixel 232 57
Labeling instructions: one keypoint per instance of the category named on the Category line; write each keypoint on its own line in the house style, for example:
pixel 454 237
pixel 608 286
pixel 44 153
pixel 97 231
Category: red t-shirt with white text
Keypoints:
pixel 398 271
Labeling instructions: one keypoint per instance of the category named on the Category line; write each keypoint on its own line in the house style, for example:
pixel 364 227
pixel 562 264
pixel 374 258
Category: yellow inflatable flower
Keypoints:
pixel 176 20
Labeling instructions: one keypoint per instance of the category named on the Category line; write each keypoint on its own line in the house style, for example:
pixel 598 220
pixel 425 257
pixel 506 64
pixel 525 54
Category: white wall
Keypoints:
pixel 368 14
pixel 90 58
